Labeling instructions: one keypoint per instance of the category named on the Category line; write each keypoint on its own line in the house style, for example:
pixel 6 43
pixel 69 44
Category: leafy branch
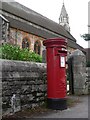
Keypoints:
pixel 86 37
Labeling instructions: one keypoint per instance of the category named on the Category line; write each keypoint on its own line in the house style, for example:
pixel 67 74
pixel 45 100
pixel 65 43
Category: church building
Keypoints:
pixel 28 29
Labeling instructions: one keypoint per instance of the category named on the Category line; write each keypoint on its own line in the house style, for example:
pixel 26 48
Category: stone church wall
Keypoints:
pixel 17 36
pixel 23 85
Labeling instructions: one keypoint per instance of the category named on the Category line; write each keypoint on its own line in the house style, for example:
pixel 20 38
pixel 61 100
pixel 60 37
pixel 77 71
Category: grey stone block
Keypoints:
pixel 79 72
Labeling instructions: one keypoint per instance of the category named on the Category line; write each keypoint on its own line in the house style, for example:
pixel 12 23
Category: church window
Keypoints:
pixel 61 19
pixel 37 47
pixel 25 43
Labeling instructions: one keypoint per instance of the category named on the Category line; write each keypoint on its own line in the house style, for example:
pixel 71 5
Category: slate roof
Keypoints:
pixel 29 15
pixel 34 17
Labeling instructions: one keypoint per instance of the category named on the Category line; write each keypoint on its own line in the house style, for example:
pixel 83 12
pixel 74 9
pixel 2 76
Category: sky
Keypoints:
pixel 76 9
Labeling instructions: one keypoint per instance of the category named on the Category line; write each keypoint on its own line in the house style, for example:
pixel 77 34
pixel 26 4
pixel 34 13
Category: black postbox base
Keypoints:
pixel 57 104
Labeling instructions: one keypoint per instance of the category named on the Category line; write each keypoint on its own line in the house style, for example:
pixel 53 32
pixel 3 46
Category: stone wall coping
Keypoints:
pixel 27 62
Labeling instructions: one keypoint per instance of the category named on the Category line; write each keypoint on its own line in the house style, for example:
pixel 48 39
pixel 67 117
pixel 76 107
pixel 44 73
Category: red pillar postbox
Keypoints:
pixel 56 73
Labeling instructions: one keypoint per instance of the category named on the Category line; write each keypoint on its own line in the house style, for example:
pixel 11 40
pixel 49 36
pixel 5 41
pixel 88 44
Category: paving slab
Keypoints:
pixel 80 110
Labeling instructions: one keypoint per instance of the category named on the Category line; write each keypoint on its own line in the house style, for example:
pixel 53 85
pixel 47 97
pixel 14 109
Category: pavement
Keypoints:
pixel 80 110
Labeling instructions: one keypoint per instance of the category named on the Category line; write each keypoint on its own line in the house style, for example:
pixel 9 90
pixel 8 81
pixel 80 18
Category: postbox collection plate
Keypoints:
pixel 62 61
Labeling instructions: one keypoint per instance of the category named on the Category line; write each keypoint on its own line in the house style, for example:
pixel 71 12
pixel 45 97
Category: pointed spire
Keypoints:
pixel 63 2
pixel 64 19
pixel 63 10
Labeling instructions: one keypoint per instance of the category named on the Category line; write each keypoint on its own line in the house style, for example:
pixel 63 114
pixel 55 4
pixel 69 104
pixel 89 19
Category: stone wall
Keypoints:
pixel 79 72
pixel 23 85
pixel 88 79
pixel 0 91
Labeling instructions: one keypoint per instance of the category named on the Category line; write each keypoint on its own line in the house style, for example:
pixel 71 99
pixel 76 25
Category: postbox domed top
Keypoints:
pixel 55 42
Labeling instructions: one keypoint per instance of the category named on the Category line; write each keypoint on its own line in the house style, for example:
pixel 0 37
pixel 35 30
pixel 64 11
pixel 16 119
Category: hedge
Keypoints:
pixel 12 52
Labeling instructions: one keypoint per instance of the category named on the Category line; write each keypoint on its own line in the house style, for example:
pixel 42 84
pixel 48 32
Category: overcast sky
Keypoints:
pixel 76 9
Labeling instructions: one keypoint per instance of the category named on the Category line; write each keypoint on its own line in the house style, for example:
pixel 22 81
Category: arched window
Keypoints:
pixel 61 19
pixel 25 43
pixel 37 47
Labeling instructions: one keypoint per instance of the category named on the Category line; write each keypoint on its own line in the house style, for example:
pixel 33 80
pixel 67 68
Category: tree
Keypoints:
pixel 86 37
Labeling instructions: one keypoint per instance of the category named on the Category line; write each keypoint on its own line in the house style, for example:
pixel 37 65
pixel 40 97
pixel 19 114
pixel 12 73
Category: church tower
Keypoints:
pixel 64 19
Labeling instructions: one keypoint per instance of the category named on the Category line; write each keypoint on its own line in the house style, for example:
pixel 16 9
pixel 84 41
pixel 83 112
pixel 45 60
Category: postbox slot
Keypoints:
pixel 61 51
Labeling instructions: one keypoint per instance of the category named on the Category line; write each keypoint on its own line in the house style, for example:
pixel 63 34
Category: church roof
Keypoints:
pixel 30 16
pixel 34 17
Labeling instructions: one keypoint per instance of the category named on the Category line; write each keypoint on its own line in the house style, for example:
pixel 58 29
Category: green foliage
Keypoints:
pixel 11 52
pixel 86 37
pixel 88 64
